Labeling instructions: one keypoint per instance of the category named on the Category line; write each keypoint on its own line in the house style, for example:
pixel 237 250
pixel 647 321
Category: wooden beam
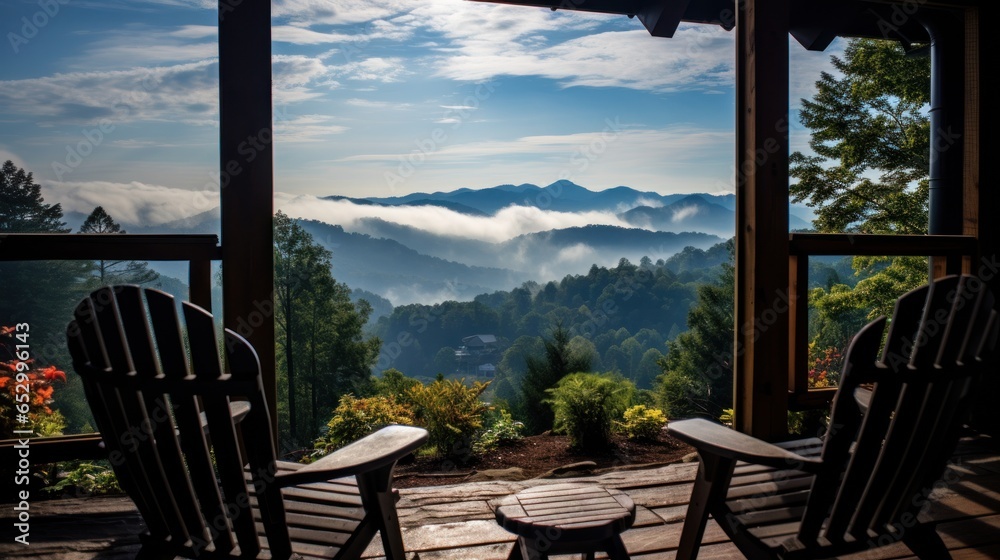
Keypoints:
pixel 94 246
pixel 246 179
pixel 762 264
pixel 881 245
pixel 661 17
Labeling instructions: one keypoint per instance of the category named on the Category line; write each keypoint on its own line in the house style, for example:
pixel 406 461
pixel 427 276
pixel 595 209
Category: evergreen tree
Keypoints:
pixel 107 273
pixel 22 208
pixel 543 373
pixel 40 292
pixel 697 377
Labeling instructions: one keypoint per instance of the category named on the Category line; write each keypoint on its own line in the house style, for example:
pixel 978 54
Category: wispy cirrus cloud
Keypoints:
pixel 143 45
pixel 324 12
pixel 696 59
pixel 185 93
pixel 375 69
pixel 683 141
pixel 307 128
pixel 478 41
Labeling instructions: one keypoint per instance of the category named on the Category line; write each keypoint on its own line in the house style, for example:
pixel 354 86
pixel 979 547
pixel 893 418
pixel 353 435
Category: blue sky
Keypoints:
pixel 113 98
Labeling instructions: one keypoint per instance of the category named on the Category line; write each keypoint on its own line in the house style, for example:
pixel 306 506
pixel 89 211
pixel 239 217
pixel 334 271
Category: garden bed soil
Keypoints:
pixel 538 455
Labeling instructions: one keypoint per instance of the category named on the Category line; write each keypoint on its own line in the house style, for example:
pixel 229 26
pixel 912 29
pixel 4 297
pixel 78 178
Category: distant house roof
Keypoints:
pixel 479 340
pixel 487 367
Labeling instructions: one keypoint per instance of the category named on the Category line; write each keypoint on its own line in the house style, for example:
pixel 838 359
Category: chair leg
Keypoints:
pixel 515 551
pixel 380 504
pixel 710 486
pixel 616 549
pixel 392 537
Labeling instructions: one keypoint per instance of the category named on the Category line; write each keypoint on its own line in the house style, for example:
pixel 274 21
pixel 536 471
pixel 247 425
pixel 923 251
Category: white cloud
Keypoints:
pixel 134 203
pixel 196 31
pixel 372 69
pixel 380 105
pixel 306 128
pixel 17 160
pixel 506 224
pixel 351 43
pixel 683 142
pixel 186 93
pixel 130 45
pixel 697 58
pixel 806 66
pixel 313 12
pixel 575 253
pixel 681 214
pixel 483 40
pixel 302 36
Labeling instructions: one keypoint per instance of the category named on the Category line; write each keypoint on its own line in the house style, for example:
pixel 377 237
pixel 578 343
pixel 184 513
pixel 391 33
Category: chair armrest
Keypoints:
pixel 237 409
pixel 381 449
pixel 716 439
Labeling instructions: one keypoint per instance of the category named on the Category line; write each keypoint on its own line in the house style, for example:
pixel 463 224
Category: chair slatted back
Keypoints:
pixel 165 408
pixel 880 463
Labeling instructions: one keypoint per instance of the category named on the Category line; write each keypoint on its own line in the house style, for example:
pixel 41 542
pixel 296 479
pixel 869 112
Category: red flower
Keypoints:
pixel 52 373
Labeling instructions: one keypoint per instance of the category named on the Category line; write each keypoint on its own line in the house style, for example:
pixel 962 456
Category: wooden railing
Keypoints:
pixel 198 250
pixel 951 248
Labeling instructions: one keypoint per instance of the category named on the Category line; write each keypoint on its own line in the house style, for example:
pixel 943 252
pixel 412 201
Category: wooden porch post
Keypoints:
pixel 246 178
pixel 762 270
pixel 982 195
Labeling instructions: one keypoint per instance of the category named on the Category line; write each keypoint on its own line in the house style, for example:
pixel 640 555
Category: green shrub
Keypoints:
pixel 85 479
pixel 504 430
pixel 643 423
pixel 355 418
pixel 394 384
pixel 451 412
pixel 586 406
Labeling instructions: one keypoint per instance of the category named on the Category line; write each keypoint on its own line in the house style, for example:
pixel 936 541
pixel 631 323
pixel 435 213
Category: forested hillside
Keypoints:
pixel 620 316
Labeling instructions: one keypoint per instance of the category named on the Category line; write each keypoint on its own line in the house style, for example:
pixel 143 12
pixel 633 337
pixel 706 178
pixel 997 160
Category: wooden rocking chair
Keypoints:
pixel 895 422
pixel 193 446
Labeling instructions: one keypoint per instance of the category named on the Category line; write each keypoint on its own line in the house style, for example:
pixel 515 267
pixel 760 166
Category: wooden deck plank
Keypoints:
pixel 456 522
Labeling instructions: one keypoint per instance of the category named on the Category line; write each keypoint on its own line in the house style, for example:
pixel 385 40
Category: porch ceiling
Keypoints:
pixel 813 23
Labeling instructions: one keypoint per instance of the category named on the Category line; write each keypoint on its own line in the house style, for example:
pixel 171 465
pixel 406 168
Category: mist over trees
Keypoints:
pixel 619 318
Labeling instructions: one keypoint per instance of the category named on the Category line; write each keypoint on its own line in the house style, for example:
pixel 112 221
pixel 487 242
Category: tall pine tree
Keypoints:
pixel 322 353
pixel 106 273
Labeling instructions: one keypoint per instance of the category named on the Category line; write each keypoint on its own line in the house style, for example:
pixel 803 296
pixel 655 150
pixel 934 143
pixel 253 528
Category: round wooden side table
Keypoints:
pixel 566 519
